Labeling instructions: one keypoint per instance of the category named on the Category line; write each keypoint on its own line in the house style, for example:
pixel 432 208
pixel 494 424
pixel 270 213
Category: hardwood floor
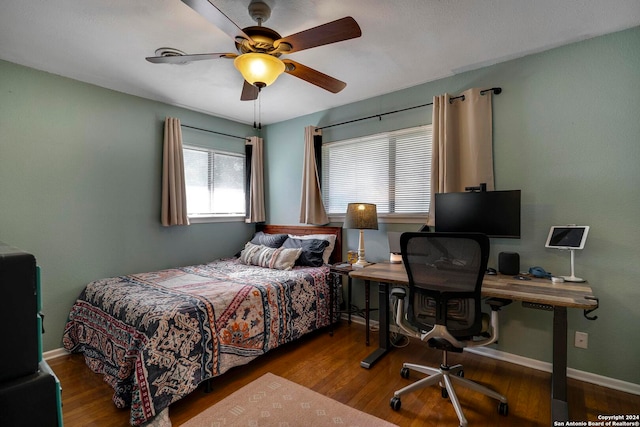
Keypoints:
pixel 331 366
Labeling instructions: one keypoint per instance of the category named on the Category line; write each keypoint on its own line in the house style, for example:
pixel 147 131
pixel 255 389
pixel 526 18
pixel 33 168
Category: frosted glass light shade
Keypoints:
pixel 259 69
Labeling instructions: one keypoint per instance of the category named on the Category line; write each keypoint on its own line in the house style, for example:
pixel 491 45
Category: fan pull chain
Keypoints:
pixel 259 113
pixel 254 114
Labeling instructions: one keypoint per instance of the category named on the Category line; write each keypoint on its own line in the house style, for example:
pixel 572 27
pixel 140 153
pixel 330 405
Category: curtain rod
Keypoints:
pixel 496 90
pixel 217 133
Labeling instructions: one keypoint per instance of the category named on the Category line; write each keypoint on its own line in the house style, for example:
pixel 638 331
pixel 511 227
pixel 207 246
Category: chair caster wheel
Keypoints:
pixel 460 373
pixel 395 403
pixel 503 408
pixel 444 393
pixel 404 373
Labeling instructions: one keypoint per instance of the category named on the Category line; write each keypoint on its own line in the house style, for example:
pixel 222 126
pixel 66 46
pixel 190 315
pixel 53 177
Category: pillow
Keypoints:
pixel 312 250
pixel 269 240
pixel 263 256
pixel 331 238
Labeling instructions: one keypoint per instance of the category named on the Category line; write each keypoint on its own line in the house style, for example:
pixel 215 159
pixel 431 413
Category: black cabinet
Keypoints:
pixel 29 390
pixel 18 313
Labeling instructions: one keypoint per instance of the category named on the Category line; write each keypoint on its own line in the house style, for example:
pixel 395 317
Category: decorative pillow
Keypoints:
pixel 312 250
pixel 331 238
pixel 269 240
pixel 263 256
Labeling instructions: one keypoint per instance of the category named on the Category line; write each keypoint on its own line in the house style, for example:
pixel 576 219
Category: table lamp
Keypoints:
pixel 361 216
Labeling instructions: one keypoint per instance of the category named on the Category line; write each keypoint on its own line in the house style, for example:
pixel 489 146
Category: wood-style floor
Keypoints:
pixel 330 365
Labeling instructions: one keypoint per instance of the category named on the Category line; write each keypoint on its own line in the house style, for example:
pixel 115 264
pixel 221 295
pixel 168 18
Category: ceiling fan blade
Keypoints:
pixel 183 59
pixel 249 92
pixel 313 76
pixel 331 32
pixel 214 15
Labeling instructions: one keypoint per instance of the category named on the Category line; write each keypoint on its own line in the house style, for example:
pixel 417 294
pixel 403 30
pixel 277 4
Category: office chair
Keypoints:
pixel 445 272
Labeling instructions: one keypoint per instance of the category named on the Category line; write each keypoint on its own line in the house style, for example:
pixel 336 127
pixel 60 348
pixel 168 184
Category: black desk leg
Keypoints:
pixel 367 308
pixel 383 314
pixel 349 298
pixel 559 406
pixel 332 290
pixel 383 346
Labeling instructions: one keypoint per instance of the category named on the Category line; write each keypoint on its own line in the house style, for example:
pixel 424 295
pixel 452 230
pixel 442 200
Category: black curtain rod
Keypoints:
pixel 217 133
pixel 496 90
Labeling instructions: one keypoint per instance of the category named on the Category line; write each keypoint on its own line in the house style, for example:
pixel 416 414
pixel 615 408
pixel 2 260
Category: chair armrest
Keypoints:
pixel 497 303
pixel 399 293
pixel 399 313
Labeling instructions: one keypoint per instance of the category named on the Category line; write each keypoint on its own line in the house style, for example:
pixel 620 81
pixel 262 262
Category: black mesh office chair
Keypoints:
pixel 445 273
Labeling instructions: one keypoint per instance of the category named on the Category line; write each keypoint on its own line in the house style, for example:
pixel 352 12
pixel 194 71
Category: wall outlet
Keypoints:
pixel 581 340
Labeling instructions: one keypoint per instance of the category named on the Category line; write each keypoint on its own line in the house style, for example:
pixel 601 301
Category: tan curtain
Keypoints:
pixel 255 207
pixel 311 207
pixel 174 195
pixel 462 143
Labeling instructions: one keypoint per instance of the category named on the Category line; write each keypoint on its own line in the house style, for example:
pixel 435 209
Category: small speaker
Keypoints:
pixel 509 263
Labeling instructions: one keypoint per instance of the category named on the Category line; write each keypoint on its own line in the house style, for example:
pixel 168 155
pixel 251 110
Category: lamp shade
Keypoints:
pixel 363 216
pixel 259 69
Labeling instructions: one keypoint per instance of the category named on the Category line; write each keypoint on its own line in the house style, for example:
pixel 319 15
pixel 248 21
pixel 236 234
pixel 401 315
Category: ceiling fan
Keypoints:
pixel 259 48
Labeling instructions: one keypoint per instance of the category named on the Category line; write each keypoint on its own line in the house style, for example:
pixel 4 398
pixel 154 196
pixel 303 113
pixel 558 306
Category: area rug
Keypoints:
pixel 274 401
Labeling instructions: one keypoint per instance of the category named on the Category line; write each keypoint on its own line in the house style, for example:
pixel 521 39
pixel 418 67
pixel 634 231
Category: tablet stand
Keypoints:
pixel 573 277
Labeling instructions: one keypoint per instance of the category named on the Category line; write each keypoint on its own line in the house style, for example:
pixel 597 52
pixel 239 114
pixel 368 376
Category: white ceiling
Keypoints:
pixel 404 43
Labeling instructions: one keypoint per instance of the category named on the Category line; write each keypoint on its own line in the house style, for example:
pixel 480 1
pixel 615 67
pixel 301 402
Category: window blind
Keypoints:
pixel 391 169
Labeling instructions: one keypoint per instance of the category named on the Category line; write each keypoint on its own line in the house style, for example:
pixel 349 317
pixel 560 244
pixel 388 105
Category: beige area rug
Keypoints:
pixel 274 401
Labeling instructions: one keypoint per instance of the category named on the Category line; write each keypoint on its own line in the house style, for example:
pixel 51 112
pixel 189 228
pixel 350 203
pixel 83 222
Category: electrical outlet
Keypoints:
pixel 581 340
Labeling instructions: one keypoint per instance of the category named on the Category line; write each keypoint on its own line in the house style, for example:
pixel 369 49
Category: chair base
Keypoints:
pixel 446 376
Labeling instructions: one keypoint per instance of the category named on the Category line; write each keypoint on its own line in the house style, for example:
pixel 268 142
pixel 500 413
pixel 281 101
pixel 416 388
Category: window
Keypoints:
pixel 214 182
pixel 392 170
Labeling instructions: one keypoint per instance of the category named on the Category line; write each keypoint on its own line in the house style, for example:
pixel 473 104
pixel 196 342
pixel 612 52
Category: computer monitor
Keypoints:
pixel 567 237
pixel 494 213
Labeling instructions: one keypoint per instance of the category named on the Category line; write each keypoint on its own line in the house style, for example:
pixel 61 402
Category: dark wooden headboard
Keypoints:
pixel 336 255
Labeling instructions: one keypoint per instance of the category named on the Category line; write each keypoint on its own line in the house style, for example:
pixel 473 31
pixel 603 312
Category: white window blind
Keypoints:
pixel 214 181
pixel 392 170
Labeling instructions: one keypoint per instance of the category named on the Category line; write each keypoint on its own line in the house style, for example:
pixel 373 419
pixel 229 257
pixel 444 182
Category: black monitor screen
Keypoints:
pixel 494 213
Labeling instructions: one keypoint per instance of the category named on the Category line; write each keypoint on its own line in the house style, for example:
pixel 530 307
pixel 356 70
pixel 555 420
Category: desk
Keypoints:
pixel 557 296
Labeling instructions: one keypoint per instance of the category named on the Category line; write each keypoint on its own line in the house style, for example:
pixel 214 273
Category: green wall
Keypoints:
pixel 80 170
pixel 80 175
pixel 567 133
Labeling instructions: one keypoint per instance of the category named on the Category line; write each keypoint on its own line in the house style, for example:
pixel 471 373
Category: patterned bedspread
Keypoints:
pixel 156 336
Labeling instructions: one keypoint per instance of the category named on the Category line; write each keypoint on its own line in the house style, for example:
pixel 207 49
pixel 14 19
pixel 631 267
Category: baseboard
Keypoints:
pixel 52 354
pixel 547 367
pixel 588 377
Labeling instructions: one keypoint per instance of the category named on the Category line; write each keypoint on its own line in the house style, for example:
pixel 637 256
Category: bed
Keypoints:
pixel 156 336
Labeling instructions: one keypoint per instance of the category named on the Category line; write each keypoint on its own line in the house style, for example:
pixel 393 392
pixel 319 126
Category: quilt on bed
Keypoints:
pixel 156 336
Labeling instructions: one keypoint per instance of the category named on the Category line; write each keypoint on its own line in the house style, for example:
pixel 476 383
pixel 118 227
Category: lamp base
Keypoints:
pixel 573 279
pixel 361 264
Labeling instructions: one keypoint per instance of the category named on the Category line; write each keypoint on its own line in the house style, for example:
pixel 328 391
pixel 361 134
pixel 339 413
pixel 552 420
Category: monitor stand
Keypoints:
pixel 573 277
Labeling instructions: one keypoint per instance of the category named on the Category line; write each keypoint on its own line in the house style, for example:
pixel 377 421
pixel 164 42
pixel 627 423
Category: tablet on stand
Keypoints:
pixel 568 237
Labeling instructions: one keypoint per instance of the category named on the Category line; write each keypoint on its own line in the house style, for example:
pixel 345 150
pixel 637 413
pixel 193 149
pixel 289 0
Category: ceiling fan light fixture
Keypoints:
pixel 259 69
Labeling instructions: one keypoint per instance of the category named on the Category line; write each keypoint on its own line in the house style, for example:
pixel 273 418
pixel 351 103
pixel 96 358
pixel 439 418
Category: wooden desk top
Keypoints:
pixel 382 272
pixel 541 291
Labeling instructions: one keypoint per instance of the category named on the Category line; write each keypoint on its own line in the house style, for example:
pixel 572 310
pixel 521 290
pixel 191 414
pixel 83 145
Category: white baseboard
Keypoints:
pixel 52 354
pixel 588 377
pixel 585 376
